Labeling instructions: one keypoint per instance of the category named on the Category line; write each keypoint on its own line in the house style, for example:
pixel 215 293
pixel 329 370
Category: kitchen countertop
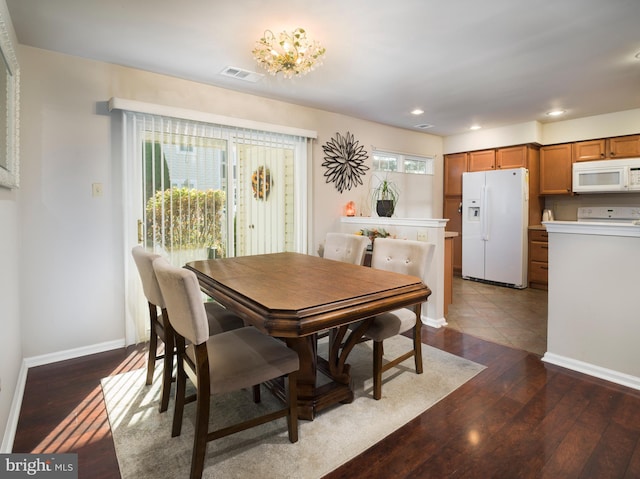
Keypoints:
pixel 594 228
pixel 537 227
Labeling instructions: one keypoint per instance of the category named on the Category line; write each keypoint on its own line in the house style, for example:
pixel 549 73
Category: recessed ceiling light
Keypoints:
pixel 475 127
pixel 555 112
pixel 417 111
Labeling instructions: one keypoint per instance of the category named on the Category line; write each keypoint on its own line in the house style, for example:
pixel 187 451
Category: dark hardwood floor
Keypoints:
pixel 518 418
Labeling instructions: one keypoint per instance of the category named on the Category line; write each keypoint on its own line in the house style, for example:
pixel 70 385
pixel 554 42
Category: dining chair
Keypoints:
pixel 345 247
pixel 218 317
pixel 406 257
pixel 221 363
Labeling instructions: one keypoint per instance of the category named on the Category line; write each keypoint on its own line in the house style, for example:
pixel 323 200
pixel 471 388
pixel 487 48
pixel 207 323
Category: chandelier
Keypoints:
pixel 290 53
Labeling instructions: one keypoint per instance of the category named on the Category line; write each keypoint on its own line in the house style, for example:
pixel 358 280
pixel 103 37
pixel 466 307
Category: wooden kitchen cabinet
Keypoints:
pixel 624 147
pixel 555 169
pixel 589 150
pixel 482 160
pixel 452 212
pixel 538 259
pixel 454 165
pixel 501 158
pixel 513 157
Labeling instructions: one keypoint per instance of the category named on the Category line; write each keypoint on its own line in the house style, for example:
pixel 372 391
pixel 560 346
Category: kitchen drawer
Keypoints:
pixel 538 235
pixel 538 251
pixel 538 272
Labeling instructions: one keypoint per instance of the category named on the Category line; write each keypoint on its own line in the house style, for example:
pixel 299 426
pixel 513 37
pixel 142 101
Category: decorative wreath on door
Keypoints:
pixel 261 183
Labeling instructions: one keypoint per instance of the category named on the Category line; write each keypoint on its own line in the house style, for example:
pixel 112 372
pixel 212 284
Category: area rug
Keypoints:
pixel 145 449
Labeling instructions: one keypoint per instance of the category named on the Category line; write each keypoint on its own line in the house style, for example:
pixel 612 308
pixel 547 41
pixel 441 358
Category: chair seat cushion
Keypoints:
pixel 390 324
pixel 221 319
pixel 245 357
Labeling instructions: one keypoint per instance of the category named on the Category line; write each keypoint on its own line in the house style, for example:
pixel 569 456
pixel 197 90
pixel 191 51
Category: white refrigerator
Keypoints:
pixel 495 218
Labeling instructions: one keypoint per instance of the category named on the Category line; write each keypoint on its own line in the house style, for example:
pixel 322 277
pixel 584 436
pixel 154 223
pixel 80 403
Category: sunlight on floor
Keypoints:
pixel 86 423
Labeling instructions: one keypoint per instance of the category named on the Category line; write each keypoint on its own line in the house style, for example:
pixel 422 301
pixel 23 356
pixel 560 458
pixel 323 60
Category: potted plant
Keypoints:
pixel 386 196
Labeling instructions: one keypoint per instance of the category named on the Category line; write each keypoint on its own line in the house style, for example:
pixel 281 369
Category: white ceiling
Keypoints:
pixel 491 62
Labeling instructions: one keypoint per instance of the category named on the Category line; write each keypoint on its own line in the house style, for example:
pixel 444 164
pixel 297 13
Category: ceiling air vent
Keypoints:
pixel 423 126
pixel 240 74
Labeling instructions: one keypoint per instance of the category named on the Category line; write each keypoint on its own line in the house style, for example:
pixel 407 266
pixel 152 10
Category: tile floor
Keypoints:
pixel 513 317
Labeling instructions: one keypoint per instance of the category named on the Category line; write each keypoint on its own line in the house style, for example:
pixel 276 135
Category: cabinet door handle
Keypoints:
pixel 544 267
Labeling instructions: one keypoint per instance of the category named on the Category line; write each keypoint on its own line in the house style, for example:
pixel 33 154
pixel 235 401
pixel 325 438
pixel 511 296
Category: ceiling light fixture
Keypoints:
pixel 292 54
pixel 555 112
pixel 417 111
pixel 475 127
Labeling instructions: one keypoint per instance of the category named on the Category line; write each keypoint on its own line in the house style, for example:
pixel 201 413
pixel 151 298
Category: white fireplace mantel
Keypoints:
pixel 430 230
pixel 412 222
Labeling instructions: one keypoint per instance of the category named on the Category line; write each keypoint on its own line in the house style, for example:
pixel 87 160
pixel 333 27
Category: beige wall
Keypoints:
pixel 599 126
pixel 72 242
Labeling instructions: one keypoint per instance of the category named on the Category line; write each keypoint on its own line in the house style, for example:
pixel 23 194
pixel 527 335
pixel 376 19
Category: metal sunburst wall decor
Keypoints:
pixel 344 161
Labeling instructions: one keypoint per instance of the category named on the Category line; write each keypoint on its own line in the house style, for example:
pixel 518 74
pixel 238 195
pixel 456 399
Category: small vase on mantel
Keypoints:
pixel 385 208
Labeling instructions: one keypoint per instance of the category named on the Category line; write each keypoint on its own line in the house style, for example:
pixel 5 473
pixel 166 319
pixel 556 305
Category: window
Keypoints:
pixel 401 163
pixel 190 194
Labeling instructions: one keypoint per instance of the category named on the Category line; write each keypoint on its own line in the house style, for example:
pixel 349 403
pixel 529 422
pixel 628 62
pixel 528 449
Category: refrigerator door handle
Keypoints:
pixel 484 213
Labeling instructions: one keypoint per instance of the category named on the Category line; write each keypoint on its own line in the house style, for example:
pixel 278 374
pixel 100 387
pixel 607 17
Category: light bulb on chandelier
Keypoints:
pixel 292 54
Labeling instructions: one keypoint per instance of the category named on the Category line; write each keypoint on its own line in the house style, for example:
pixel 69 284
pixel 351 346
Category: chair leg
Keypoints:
pixel 417 342
pixel 200 435
pixel 181 386
pixel 256 394
pixel 203 399
pixel 153 344
pixel 377 369
pixel 292 416
pixel 167 373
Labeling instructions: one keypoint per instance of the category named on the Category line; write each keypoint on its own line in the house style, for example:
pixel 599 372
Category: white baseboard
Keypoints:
pixel 593 370
pixel 74 353
pixel 433 322
pixel 14 413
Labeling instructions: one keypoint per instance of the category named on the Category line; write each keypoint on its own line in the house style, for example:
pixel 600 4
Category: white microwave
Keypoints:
pixel 607 176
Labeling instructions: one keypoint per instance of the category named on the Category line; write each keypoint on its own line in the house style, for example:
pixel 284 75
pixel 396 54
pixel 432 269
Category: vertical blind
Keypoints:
pixel 196 190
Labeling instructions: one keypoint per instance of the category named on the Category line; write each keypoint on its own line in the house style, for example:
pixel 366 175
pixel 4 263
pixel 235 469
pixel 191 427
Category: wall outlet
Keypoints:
pixel 96 189
pixel 422 236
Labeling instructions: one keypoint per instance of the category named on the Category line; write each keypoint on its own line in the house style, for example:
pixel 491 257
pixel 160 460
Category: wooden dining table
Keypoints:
pixel 295 297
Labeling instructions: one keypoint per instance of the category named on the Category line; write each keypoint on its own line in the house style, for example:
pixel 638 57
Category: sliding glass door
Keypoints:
pixel 197 190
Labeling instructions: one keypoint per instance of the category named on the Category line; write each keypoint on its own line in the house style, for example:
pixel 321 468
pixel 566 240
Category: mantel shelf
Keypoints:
pixel 416 222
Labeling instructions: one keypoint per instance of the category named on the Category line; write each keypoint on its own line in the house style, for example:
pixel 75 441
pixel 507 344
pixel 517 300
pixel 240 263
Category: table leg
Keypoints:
pixel 313 397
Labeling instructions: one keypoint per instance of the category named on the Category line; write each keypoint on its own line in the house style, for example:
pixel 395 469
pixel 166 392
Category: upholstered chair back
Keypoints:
pixel 183 300
pixel 401 256
pixel 144 262
pixel 348 248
